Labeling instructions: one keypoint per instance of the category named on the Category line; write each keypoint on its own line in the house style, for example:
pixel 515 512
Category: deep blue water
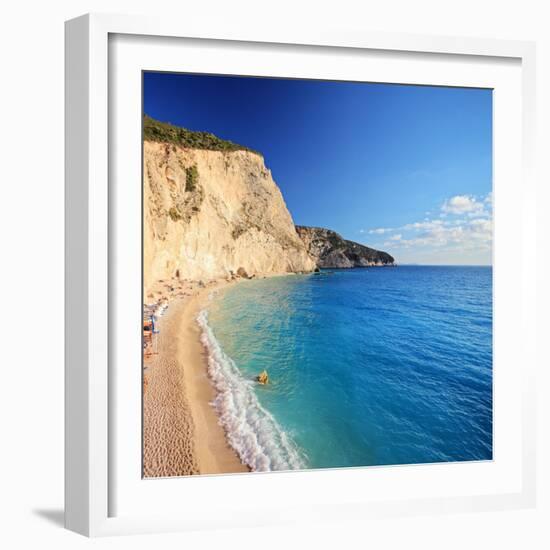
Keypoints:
pixel 367 366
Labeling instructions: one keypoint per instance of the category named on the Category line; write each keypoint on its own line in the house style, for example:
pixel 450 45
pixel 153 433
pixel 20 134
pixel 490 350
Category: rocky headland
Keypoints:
pixel 330 250
pixel 210 213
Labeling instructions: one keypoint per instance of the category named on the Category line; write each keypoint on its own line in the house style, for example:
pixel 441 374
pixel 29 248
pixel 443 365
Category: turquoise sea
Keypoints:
pixel 367 366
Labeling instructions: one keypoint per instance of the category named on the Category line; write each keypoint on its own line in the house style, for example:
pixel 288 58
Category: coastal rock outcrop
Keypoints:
pixel 263 377
pixel 212 209
pixel 330 250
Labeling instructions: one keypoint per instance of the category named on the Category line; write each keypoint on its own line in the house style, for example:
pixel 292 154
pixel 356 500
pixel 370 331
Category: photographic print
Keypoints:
pixel 317 274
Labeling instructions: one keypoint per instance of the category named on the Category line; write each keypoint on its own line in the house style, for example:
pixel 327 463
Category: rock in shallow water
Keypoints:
pixel 263 377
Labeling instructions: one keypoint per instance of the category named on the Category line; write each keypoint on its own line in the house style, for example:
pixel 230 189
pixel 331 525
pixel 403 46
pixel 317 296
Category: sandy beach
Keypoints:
pixel 181 433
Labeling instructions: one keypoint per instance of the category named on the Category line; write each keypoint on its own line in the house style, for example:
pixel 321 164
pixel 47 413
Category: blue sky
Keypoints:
pixel 406 169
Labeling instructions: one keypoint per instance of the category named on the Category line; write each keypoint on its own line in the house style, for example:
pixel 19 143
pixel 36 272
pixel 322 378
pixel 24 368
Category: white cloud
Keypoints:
pixel 380 230
pixel 462 233
pixel 468 235
pixel 462 204
pixel 481 229
pixel 425 225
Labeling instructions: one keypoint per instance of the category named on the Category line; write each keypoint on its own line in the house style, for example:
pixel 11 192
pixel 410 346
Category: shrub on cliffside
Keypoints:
pixel 174 214
pixel 163 132
pixel 191 178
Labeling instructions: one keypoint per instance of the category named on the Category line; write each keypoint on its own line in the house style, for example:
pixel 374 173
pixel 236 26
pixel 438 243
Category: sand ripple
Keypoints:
pixel 168 446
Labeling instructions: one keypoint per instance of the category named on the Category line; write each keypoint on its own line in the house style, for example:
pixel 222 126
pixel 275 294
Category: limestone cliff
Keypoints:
pixel 329 249
pixel 213 213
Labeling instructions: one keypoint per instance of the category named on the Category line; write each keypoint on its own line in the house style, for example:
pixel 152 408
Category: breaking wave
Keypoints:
pixel 251 430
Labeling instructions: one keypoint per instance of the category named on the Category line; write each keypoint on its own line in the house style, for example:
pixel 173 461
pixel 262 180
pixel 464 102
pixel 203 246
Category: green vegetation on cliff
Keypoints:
pixel 154 130
pixel 191 178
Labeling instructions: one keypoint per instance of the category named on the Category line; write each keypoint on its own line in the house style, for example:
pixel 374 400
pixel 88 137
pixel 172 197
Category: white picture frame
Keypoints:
pixel 93 435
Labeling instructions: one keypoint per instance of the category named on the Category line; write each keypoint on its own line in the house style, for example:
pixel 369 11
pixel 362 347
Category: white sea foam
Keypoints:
pixel 251 430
